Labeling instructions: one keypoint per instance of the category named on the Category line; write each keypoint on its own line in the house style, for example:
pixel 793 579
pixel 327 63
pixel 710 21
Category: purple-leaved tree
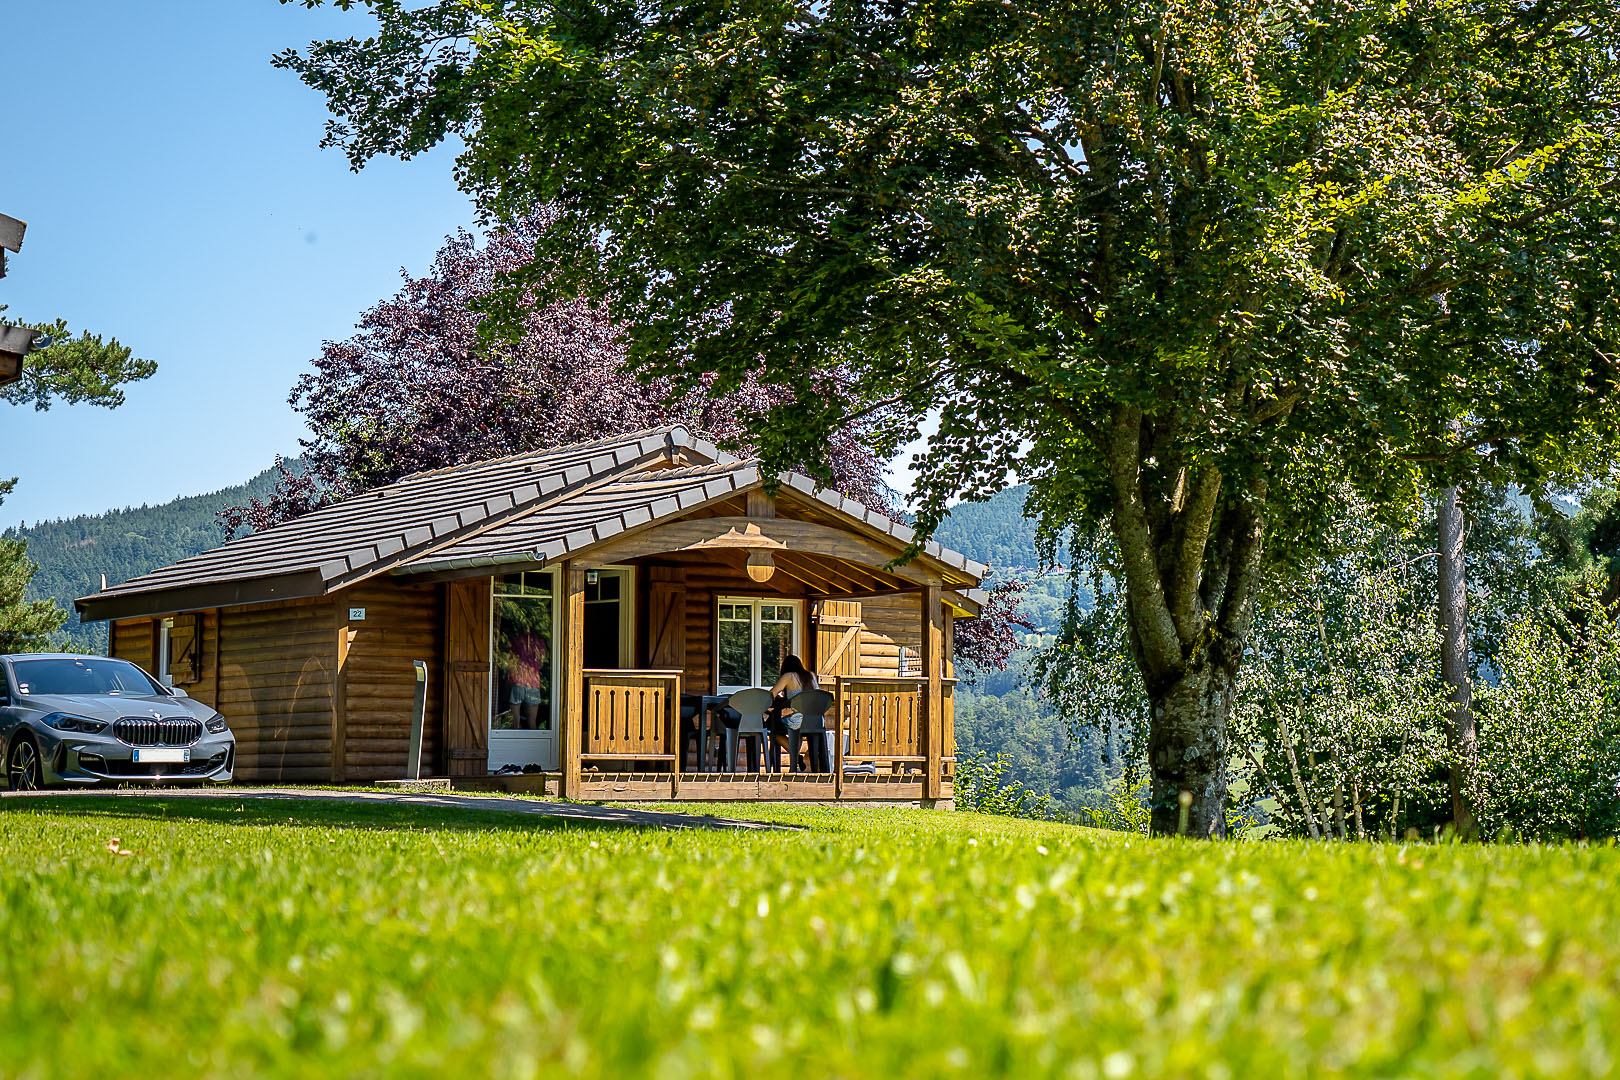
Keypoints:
pixel 419 387
pixel 988 642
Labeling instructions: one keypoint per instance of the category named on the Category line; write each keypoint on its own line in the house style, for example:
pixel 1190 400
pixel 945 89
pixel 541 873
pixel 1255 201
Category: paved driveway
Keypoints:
pixel 584 812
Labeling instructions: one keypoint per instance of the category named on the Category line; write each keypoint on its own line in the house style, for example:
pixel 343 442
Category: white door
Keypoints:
pixel 523 665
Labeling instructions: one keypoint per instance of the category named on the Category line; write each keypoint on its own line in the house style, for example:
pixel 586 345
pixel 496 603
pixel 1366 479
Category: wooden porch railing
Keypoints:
pixel 631 715
pixel 883 720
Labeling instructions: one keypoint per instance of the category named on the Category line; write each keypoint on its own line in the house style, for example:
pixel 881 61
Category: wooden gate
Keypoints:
pixel 466 679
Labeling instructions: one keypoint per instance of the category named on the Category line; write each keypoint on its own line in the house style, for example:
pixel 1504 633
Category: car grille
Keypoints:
pixel 148 732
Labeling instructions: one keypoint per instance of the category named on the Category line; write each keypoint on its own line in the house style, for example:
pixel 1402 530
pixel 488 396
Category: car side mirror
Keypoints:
pixel 177 692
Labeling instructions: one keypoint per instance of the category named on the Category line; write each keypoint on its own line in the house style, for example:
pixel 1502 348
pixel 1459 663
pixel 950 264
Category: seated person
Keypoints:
pixel 795 677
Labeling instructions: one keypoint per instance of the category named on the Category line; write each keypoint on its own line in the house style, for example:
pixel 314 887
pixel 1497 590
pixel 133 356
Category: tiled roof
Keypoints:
pixel 592 516
pixel 531 508
pixel 642 498
pixel 369 533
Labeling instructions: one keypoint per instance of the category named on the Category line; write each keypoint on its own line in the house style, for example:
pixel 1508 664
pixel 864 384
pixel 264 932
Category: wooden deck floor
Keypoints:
pixel 895 788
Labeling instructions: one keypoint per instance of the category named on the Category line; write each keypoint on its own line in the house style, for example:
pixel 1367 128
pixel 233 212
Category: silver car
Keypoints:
pixel 73 719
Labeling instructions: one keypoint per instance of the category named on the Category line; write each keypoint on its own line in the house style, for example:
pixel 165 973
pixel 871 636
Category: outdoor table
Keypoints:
pixel 710 702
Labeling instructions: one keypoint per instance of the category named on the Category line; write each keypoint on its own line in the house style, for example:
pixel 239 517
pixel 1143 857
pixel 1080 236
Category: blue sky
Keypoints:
pixel 177 199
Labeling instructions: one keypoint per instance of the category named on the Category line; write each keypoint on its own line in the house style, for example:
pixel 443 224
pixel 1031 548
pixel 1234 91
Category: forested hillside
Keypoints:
pixel 74 553
pixel 994 531
pixel 1047 752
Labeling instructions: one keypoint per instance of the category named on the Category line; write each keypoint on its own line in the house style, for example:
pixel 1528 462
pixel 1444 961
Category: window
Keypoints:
pixel 753 637
pixel 524 665
pixel 165 652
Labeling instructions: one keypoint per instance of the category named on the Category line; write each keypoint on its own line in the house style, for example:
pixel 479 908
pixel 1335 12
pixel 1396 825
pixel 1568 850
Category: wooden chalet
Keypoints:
pixel 564 602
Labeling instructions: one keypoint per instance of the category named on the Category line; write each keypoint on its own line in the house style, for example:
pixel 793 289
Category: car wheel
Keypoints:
pixel 22 765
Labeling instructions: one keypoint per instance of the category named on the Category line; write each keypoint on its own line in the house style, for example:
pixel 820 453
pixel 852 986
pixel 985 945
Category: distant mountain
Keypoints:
pixel 73 554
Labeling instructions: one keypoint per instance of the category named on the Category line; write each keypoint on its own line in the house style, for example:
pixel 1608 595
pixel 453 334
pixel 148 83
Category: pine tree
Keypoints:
pixel 25 625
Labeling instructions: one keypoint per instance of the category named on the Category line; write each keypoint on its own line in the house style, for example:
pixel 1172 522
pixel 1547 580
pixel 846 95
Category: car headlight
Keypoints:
pixel 216 725
pixel 81 724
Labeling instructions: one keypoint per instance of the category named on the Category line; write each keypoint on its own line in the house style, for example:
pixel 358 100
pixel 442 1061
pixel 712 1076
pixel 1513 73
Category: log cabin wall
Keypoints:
pixel 194 650
pixel 698 677
pixel 890 625
pixel 404 622
pixel 277 669
pixel 134 640
pixel 705 583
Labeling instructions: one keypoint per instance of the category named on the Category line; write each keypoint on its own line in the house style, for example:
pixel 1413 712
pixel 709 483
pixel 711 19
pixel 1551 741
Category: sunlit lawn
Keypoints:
pixel 250 938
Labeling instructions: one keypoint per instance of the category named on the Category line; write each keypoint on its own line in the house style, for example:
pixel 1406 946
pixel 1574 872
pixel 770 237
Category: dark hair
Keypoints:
pixel 794 666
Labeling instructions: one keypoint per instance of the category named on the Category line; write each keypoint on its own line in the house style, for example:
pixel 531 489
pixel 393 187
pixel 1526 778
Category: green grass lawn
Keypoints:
pixel 256 938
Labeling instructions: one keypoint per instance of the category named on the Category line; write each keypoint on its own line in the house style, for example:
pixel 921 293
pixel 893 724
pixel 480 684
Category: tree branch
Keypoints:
pixel 1159 643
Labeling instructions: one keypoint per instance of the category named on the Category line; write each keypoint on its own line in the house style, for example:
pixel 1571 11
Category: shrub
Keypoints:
pixel 982 786
pixel 1549 743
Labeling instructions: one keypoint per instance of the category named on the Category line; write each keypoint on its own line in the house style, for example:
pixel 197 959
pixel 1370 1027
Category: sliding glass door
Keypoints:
pixel 523 721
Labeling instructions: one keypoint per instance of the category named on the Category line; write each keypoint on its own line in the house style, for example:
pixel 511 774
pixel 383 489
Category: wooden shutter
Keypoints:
pixel 666 620
pixel 185 651
pixel 467 677
pixel 838 638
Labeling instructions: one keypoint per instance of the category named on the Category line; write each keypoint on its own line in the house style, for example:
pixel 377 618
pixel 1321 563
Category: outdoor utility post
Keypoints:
pixel 413 763
pixel 16 342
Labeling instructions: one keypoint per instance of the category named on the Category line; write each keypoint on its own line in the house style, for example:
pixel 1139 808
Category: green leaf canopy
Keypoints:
pixel 1185 267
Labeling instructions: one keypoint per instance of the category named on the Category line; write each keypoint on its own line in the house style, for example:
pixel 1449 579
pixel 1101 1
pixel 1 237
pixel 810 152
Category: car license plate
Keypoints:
pixel 162 753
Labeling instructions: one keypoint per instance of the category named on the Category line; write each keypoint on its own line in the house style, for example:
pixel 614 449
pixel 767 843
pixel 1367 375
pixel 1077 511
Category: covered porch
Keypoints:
pixel 602 675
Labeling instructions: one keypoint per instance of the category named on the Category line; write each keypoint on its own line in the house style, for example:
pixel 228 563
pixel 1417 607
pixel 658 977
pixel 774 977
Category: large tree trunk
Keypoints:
pixel 1460 733
pixel 1190 554
pixel 1187 749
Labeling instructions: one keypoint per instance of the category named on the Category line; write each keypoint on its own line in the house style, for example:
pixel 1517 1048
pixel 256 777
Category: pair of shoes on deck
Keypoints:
pixel 514 770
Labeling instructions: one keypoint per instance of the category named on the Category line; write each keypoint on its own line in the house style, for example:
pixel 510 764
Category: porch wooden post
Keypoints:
pixel 573 664
pixel 838 738
pixel 933 710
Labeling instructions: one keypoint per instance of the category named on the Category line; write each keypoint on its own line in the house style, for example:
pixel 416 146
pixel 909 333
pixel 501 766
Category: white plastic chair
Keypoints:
pixel 751 706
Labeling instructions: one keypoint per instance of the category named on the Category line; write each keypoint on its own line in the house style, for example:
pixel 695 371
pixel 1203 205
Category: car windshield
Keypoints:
pixel 86 676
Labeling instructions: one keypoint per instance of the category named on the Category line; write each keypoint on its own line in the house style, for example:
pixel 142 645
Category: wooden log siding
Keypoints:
pixel 134 640
pixel 276 670
pixel 631 715
pixel 402 624
pixel 704 583
pixel 890 625
pixel 698 673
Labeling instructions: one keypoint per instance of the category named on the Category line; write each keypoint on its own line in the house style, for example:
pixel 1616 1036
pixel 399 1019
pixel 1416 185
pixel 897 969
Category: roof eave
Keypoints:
pixel 301 585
